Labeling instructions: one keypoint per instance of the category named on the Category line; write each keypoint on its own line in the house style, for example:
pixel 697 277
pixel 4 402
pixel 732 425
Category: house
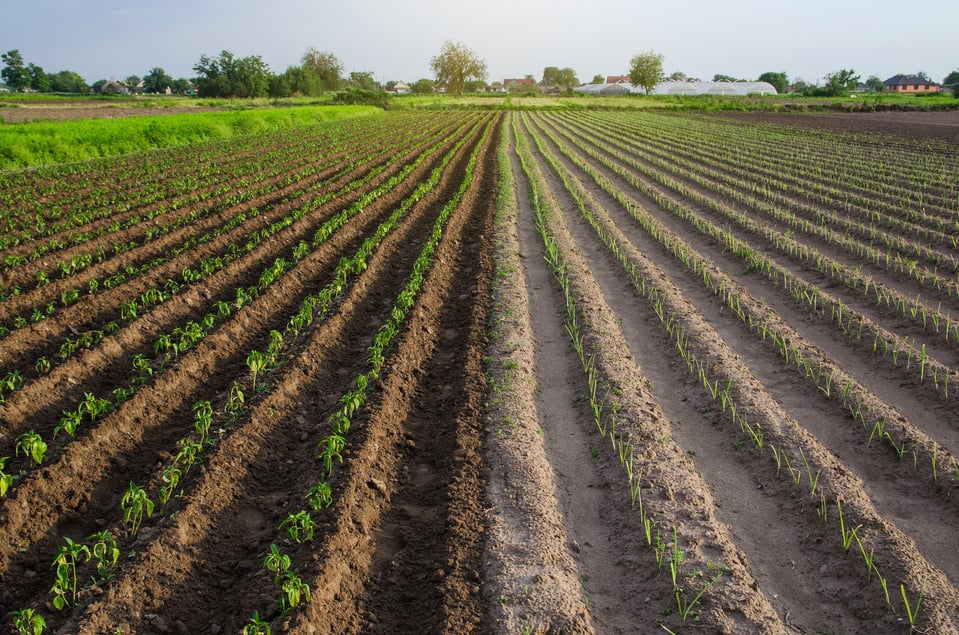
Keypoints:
pixel 912 84
pixel 113 86
pixel 526 83
pixel 619 79
pixel 401 88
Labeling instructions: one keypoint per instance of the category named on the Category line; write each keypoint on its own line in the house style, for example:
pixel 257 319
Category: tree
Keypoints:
pixel 678 76
pixel 646 70
pixel 14 72
pixel 364 80
pixel 456 65
pixel 779 81
pixel 39 81
pixel 952 82
pixel 157 81
pixel 840 83
pixel 325 67
pixel 718 77
pixel 68 82
pixel 132 81
pixel 564 79
pixel 229 76
pixel 423 86
pixel 875 85
pixel 598 79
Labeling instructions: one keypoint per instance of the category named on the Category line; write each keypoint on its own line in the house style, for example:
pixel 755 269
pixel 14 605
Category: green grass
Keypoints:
pixel 44 142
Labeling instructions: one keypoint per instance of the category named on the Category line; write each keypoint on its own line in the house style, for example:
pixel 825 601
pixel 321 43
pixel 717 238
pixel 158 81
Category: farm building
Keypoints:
pixel 910 84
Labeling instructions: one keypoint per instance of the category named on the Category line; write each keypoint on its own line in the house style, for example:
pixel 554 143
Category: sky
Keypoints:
pixel 395 39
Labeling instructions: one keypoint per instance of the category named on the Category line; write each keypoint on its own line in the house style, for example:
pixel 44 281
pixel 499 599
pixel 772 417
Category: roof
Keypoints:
pixel 912 80
pixel 617 79
pixel 525 80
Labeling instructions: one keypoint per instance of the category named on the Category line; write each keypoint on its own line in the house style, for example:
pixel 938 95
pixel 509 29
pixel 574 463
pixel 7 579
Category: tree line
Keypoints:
pixel 456 69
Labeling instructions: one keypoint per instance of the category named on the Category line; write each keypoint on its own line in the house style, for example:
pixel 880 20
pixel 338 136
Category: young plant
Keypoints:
pixel 65 565
pixel 27 622
pixel 6 480
pixel 135 504
pixel 294 590
pixel 300 526
pixel 256 626
pixel 256 362
pixel 320 496
pixel 912 612
pixel 104 551
pixel 276 562
pixel 32 445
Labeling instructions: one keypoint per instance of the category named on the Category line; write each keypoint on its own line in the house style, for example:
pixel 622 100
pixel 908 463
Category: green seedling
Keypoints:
pixel 104 551
pixel 300 526
pixel 276 562
pixel 6 480
pixel 32 445
pixel 27 622
pixel 135 504
pixel 320 496
pixel 256 626
pixel 294 590
pixel 256 361
pixel 65 565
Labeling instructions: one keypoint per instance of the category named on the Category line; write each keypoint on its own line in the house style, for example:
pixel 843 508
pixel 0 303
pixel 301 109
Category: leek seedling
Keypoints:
pixel 912 612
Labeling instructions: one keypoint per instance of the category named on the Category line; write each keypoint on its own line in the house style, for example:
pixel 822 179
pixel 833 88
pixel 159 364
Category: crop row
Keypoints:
pixel 806 460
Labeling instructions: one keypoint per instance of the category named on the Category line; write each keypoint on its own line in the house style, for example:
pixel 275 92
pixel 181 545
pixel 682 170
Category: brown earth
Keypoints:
pixel 68 110
pixel 476 493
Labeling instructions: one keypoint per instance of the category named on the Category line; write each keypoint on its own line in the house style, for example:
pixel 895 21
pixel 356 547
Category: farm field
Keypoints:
pixel 480 372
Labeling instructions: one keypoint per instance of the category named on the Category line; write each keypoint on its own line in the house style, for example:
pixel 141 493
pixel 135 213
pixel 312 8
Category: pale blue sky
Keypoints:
pixel 103 39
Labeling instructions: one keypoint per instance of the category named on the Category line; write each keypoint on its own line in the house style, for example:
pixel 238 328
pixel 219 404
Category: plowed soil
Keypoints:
pixel 505 475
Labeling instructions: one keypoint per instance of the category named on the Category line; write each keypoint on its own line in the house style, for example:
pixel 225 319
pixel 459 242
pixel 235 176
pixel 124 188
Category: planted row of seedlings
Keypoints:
pixel 732 386
pixel 209 412
pixel 879 420
pixel 914 357
pixel 867 288
pixel 187 334
pixel 707 582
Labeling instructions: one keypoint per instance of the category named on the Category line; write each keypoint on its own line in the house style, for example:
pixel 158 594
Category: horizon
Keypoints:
pixel 111 40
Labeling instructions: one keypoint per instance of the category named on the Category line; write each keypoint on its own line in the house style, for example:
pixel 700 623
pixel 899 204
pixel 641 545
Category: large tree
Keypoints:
pixel 840 83
pixel 874 84
pixel 39 80
pixel 230 76
pixel 456 65
pixel 68 82
pixel 423 86
pixel 779 81
pixel 327 69
pixel 952 82
pixel 563 78
pixel 646 70
pixel 15 73
pixel 157 81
